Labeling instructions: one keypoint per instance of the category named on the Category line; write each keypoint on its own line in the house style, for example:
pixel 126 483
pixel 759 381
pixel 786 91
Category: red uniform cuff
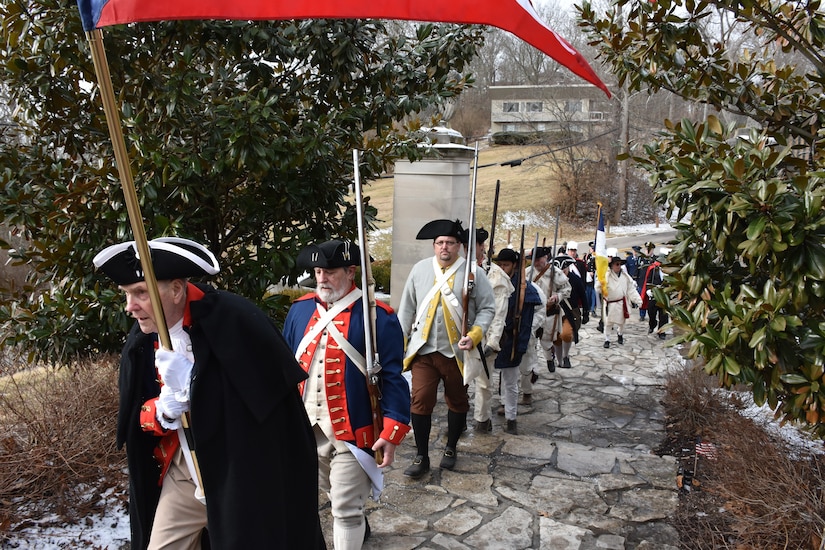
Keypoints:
pixel 394 431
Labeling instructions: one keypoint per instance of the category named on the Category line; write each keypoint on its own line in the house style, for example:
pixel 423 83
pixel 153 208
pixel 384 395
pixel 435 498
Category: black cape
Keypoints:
pixel 253 440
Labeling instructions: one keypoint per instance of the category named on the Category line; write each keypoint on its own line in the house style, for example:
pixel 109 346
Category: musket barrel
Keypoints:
pixel 368 303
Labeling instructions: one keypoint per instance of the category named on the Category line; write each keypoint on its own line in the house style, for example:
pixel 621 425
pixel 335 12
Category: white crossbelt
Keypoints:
pixel 441 281
pixel 326 316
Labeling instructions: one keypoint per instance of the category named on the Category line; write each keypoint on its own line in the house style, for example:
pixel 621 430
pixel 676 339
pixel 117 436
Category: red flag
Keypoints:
pixel 515 16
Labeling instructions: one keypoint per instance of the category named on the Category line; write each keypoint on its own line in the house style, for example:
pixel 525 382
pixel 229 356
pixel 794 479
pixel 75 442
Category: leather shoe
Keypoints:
pixel 662 336
pixel 512 427
pixel 600 326
pixel 448 460
pixel 565 363
pixel 526 399
pixel 551 365
pixel 485 426
pixel 650 330
pixel 607 343
pixel 419 467
pixel 620 339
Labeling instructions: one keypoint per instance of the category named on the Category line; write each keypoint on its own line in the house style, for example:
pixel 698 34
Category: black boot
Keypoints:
pixel 421 424
pixel 455 425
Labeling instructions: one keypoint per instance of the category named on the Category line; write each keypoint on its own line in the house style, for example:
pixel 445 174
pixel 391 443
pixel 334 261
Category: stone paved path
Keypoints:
pixel 581 474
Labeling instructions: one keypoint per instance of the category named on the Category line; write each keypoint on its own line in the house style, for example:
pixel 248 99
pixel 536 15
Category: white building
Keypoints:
pixel 579 108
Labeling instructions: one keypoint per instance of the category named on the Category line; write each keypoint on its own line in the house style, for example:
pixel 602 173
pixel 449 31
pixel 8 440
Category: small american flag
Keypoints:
pixel 707 450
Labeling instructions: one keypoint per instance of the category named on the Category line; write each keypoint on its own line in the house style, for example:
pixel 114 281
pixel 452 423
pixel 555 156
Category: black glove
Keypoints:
pixel 539 332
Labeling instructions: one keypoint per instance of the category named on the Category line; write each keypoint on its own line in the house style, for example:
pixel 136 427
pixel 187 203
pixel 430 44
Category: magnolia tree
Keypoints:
pixel 746 275
pixel 240 136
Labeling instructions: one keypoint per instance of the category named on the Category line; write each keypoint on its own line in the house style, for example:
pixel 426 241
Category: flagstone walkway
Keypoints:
pixel 581 474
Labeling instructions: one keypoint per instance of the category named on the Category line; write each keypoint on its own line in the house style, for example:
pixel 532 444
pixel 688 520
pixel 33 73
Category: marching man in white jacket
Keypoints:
pixel 621 289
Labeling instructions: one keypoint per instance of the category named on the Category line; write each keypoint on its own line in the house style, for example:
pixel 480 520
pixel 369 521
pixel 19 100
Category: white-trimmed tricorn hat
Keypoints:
pixel 172 258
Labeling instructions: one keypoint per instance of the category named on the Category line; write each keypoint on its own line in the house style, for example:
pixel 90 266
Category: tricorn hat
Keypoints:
pixel 172 258
pixel 507 255
pixel 482 235
pixel 563 261
pixel 329 255
pixel 540 252
pixel 442 228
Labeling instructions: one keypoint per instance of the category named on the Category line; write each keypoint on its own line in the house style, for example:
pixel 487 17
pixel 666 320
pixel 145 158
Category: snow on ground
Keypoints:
pixel 621 230
pixel 797 440
pixel 107 531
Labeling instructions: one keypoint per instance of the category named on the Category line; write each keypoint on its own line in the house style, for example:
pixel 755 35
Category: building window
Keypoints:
pixel 573 106
pixel 533 107
pixel 510 107
pixel 509 127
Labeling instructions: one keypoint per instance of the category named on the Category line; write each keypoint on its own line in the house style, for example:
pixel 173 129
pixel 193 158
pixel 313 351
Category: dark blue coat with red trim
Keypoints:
pixel 394 389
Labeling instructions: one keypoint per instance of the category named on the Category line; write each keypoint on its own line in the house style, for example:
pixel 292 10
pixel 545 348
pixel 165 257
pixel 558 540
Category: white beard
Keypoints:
pixel 329 295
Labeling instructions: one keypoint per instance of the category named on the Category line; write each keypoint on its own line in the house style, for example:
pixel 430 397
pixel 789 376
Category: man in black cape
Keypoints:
pixel 232 372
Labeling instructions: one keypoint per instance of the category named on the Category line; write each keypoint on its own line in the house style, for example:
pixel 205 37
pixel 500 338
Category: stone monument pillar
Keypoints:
pixel 437 186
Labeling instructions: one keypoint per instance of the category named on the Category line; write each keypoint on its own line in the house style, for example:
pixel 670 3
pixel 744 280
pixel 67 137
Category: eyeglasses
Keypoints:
pixel 445 243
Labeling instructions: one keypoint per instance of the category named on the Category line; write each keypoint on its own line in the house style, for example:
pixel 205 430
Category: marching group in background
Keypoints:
pixel 248 385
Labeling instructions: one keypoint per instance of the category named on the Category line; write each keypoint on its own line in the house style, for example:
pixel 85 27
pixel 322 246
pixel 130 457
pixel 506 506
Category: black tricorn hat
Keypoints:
pixel 540 252
pixel 442 228
pixel 482 235
pixel 563 260
pixel 507 255
pixel 172 258
pixel 329 255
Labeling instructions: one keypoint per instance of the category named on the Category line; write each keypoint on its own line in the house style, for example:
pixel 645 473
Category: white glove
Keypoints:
pixel 175 371
pixel 649 294
pixel 168 407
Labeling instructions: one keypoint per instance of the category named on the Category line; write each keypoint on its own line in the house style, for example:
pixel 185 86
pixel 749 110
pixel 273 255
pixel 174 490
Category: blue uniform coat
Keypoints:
pixel 394 390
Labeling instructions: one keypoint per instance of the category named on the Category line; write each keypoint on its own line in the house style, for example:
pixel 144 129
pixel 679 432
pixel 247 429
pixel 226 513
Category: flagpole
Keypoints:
pixel 107 94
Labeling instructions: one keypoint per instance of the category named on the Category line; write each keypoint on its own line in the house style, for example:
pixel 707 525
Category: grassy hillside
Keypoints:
pixel 528 195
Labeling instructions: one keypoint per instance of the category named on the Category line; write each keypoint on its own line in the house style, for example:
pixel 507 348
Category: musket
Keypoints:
pixel 373 364
pixel 521 288
pixel 552 263
pixel 492 249
pixel 471 264
pixel 533 263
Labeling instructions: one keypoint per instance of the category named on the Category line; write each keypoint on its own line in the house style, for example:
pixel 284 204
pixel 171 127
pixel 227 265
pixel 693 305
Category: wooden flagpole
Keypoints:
pixel 107 94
